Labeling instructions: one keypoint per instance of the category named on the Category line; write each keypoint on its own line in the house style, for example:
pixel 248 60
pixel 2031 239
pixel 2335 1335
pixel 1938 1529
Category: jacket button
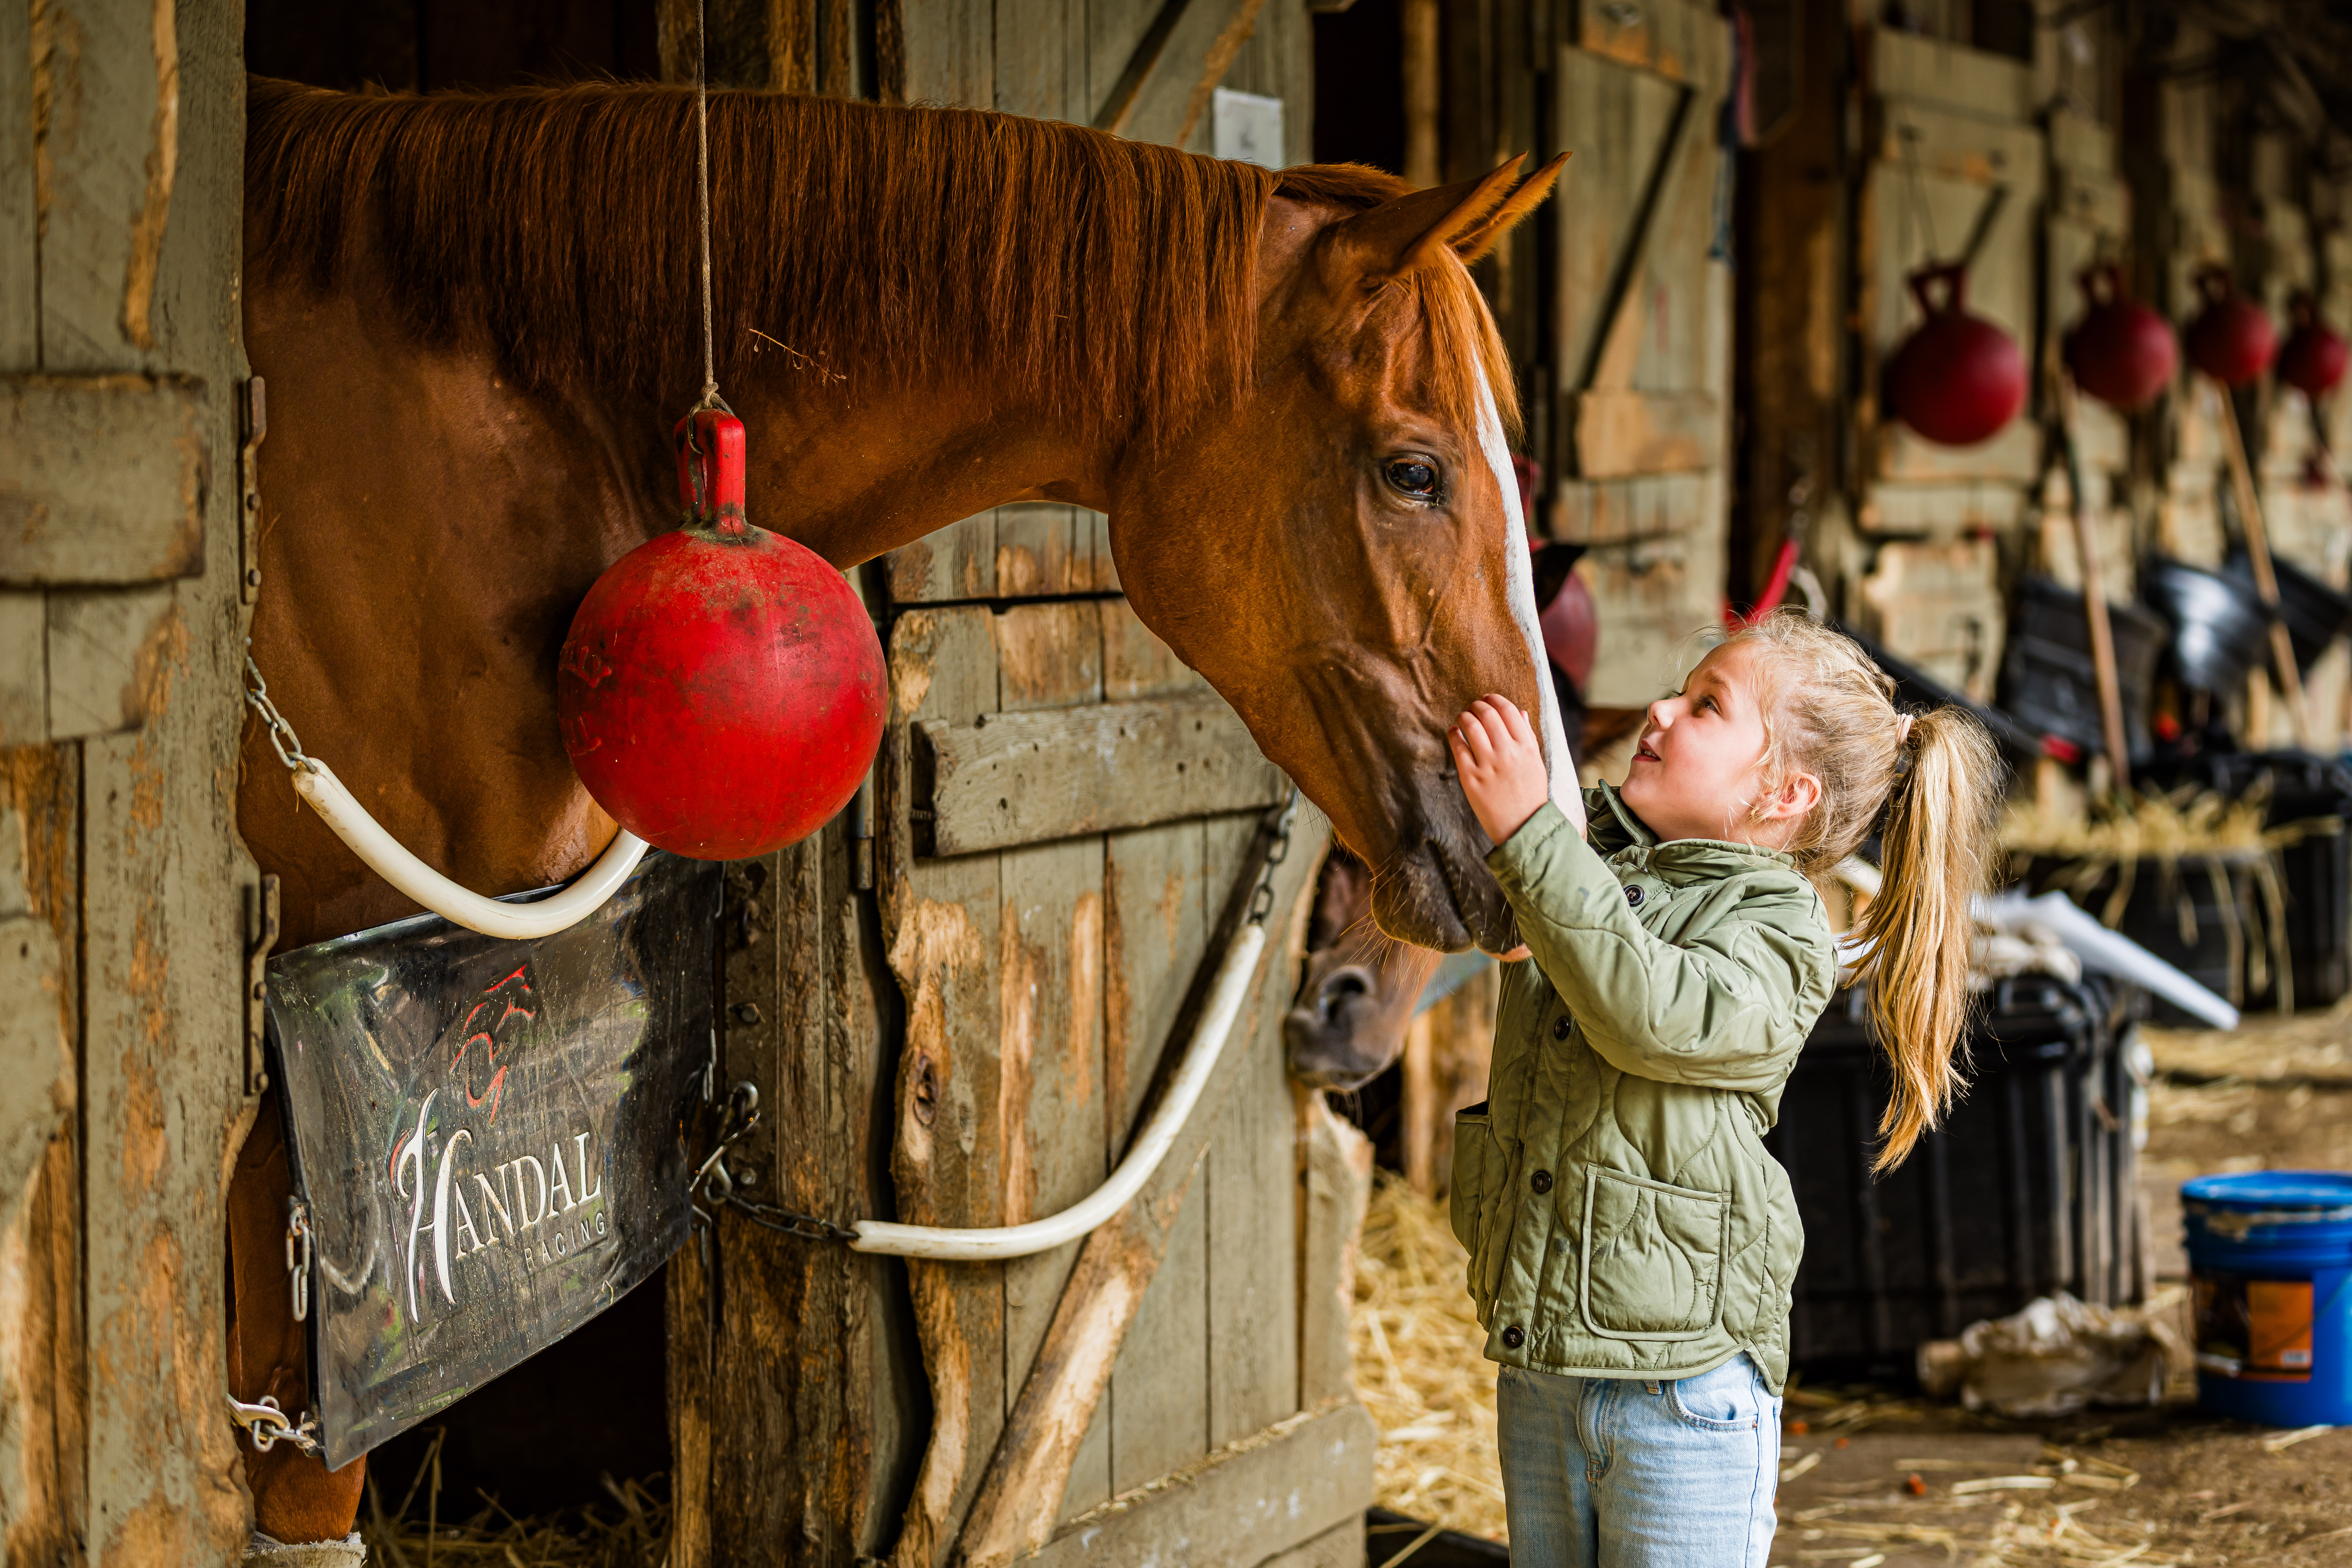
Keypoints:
pixel 1633 896
pixel 1514 1337
pixel 1540 1182
pixel 1559 1027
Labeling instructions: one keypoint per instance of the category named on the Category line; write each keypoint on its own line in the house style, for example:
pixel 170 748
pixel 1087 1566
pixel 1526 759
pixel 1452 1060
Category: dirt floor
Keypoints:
pixel 1879 1477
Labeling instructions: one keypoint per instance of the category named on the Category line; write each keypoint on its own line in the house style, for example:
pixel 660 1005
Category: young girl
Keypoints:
pixel 1632 1243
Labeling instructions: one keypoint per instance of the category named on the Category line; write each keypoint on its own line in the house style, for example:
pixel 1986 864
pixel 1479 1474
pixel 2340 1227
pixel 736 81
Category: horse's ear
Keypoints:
pixel 1478 241
pixel 1400 237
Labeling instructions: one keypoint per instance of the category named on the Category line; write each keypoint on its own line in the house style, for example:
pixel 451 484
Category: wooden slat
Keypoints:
pixel 1050 985
pixel 1337 1181
pixel 1674 38
pixel 20 262
pixel 1246 1505
pixel 1156 911
pixel 1026 550
pixel 1945 143
pixel 1033 777
pixel 950 52
pixel 1251 1189
pixel 1650 506
pixel 1136 663
pixel 1654 593
pixel 102 479
pixel 1940 510
pixel 941 921
pixel 1618 434
pixel 1952 73
pixel 2014 454
pixel 110 657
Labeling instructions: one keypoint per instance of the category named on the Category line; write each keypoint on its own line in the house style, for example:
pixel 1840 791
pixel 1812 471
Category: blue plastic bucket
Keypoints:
pixel 2270 1261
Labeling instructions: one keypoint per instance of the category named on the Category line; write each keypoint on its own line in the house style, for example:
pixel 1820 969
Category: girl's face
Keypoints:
pixel 1697 769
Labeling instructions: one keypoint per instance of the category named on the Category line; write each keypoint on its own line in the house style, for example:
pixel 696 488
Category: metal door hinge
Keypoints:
pixel 260 938
pixel 254 424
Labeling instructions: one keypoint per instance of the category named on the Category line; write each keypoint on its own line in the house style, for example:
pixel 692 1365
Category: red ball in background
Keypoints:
pixel 2121 353
pixel 2314 357
pixel 721 692
pixel 2231 340
pixel 1959 378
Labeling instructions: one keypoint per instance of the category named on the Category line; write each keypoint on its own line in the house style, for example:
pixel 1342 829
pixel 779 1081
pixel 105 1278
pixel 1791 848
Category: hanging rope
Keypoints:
pixel 702 163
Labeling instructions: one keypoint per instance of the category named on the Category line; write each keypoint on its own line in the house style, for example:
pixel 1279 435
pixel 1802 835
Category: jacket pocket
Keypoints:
pixel 1652 1257
pixel 1476 1172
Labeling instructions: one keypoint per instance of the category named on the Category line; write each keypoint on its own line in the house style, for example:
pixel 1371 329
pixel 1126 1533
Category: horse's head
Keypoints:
pixel 1340 553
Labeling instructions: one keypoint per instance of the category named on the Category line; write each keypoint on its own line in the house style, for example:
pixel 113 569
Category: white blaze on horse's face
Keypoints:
pixel 1521 586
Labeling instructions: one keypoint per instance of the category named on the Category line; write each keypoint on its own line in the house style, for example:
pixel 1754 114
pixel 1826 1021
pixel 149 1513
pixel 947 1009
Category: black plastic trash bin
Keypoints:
pixel 2026 1189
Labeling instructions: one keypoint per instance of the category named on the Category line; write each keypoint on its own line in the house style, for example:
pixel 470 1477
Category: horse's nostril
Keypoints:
pixel 1342 986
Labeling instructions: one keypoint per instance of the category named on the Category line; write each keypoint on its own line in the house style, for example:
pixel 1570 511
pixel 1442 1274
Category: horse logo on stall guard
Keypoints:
pixel 471 1191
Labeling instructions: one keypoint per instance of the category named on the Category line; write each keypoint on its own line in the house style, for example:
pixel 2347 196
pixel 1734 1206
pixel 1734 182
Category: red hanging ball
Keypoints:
pixel 1959 378
pixel 721 692
pixel 2231 340
pixel 2121 353
pixel 2314 357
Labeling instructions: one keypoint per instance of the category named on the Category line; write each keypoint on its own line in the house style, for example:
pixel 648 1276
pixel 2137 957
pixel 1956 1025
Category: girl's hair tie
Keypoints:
pixel 1901 730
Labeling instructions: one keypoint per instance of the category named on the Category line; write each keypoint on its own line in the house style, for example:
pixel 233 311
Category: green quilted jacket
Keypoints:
pixel 1622 1216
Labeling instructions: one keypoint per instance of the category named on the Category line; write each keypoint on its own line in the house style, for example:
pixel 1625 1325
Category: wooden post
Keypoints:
pixel 1423 70
pixel 2095 601
pixel 2258 552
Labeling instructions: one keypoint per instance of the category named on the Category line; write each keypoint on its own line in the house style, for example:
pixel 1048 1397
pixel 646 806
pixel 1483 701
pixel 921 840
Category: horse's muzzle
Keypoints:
pixel 1440 894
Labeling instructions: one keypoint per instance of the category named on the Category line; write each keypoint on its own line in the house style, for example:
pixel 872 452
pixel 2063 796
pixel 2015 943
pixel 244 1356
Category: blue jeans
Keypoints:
pixel 1605 1472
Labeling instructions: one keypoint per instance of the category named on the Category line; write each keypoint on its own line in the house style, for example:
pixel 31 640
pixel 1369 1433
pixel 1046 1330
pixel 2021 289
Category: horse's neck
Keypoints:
pixel 852 477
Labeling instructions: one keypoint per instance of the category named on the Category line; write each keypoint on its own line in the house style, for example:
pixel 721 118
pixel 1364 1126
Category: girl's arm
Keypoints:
pixel 1727 1011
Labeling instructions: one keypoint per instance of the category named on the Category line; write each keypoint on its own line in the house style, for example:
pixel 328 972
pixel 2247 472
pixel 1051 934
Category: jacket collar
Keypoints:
pixel 1613 829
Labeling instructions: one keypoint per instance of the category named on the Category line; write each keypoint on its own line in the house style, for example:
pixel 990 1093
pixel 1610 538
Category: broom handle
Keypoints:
pixel 2095 600
pixel 2258 552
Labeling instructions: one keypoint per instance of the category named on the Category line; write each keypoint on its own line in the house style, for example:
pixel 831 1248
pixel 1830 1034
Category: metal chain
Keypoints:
pixel 1261 902
pixel 282 737
pixel 715 1183
pixel 298 1254
pixel 264 1421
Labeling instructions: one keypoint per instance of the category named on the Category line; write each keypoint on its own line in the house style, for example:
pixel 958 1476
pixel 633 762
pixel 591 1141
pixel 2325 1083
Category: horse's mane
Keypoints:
pixel 1109 279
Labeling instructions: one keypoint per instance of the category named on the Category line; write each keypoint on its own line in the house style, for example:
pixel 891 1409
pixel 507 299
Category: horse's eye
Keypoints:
pixel 1414 477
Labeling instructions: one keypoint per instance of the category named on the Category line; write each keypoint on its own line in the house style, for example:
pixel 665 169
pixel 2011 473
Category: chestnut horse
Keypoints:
pixel 477 319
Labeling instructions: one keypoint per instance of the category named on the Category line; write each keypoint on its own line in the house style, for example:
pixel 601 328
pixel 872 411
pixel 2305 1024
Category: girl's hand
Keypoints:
pixel 1501 764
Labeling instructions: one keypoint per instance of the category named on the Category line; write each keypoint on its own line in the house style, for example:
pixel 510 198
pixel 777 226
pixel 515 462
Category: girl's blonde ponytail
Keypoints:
pixel 1932 786
pixel 1936 846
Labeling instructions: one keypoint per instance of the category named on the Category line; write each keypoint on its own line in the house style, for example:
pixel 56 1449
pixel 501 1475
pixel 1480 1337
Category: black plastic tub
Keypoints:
pixel 2220 632
pixel 2026 1189
pixel 2047 680
pixel 1388 1533
pixel 2310 798
pixel 2316 614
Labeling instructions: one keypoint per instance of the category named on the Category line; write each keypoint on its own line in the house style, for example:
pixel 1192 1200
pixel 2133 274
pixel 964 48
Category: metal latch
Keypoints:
pixel 260 939
pixel 253 418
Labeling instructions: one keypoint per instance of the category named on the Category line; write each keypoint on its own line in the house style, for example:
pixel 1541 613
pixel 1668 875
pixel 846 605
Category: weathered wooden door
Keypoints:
pixel 127 1075
pixel 952 1002
pixel 1641 313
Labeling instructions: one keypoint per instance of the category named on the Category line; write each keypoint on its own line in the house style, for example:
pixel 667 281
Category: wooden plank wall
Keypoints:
pixel 970 1046
pixel 1043 979
pixel 123 890
pixel 1949 130
pixel 1641 329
